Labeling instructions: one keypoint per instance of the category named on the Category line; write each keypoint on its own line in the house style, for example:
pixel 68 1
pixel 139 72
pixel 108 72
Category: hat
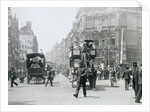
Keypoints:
pixel 134 63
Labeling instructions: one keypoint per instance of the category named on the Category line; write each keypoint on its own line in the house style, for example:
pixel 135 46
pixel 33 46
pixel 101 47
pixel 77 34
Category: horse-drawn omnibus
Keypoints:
pixel 36 67
pixel 76 54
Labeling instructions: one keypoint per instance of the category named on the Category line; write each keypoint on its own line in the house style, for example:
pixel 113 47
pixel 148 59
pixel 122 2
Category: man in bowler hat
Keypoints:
pixel 81 79
pixel 126 76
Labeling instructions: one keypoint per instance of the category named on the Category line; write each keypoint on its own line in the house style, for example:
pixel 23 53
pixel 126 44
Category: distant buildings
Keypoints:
pixel 117 34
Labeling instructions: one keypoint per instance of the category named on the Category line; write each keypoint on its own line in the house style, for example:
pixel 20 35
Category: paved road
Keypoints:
pixel 62 94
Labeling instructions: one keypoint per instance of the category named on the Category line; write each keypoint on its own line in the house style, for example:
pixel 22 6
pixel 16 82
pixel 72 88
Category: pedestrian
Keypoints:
pixel 81 79
pixel 126 76
pixel 9 74
pixel 99 74
pixel 13 77
pixel 139 94
pixel 49 77
pixel 21 79
pixel 135 79
pixel 90 77
pixel 94 78
pixel 113 77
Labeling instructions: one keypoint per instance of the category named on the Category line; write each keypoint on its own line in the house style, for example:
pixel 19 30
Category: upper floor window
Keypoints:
pixel 104 22
pixel 113 41
pixel 123 20
pixel 96 23
pixel 112 21
pixel 88 24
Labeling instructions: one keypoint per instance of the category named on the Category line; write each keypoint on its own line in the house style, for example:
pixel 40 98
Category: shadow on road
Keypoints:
pixel 102 87
pixel 55 82
pixel 92 97
pixel 20 102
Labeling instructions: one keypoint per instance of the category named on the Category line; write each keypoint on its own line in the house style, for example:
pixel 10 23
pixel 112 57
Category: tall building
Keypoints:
pixel 116 33
pixel 28 42
pixel 13 42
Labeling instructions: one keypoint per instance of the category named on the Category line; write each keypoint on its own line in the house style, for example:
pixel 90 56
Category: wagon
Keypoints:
pixel 36 67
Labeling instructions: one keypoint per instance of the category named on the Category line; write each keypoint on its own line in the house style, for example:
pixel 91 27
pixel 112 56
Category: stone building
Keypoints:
pixel 28 42
pixel 116 33
pixel 13 42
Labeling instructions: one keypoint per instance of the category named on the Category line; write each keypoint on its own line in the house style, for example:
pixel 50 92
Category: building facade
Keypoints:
pixel 28 43
pixel 116 32
pixel 13 42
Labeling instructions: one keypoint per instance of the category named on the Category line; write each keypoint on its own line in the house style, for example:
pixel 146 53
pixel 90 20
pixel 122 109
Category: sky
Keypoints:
pixel 50 25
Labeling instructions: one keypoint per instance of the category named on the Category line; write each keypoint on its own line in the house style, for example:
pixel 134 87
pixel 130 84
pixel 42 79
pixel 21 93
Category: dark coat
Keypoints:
pixel 140 76
pixel 81 75
pixel 126 74
pixel 13 75
pixel 135 75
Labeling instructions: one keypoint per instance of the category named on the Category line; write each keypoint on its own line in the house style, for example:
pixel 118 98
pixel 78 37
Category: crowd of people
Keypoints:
pixel 132 77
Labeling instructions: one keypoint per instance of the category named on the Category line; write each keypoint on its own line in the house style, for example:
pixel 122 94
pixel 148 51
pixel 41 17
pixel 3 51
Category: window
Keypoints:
pixel 113 41
pixel 112 21
pixel 97 53
pixel 129 54
pixel 104 22
pixel 124 20
pixel 88 24
pixel 96 24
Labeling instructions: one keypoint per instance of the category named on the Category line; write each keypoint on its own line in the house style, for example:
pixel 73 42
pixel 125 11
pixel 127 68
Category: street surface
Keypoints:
pixel 61 93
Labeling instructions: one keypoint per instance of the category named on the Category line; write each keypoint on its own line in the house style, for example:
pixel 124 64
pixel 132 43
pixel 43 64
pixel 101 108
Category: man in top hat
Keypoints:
pixel 135 78
pixel 126 76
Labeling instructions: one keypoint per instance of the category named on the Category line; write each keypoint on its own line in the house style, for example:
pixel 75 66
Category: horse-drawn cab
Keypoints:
pixel 36 67
pixel 86 53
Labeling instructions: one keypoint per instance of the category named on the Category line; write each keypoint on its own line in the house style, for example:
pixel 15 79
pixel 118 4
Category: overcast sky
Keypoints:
pixel 50 25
